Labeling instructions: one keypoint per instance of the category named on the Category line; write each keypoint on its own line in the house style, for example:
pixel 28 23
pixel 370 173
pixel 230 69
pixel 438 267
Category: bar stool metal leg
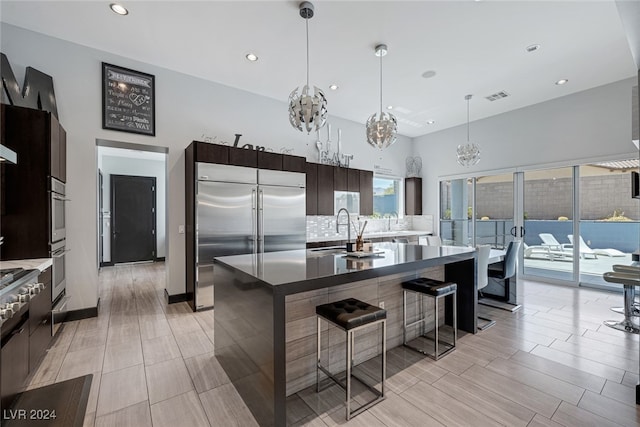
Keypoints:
pixel 318 350
pixel 627 325
pixel 436 328
pixel 349 362
pixel 332 317
pixel 422 319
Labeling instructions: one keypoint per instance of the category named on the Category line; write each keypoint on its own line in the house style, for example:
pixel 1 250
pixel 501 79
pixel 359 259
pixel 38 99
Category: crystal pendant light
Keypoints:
pixel 307 109
pixel 381 130
pixel 469 153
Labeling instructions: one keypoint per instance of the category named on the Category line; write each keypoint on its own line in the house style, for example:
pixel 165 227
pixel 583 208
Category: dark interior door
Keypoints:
pixel 133 218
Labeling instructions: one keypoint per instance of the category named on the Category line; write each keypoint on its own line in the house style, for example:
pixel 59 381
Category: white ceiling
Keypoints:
pixel 475 47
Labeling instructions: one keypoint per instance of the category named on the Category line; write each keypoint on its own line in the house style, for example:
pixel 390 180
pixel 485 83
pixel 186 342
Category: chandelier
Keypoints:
pixel 469 153
pixel 307 108
pixel 381 130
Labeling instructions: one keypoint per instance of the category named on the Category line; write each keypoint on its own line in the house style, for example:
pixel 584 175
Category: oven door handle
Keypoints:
pixel 60 254
pixel 62 199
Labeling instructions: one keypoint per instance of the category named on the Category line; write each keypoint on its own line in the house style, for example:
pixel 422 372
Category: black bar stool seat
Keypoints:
pixel 435 289
pixel 351 315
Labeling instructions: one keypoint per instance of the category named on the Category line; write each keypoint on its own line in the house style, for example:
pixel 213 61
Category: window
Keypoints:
pixel 388 196
pixel 346 199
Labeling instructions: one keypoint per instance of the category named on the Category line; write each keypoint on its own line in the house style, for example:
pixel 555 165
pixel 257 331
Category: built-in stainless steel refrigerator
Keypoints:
pixel 243 210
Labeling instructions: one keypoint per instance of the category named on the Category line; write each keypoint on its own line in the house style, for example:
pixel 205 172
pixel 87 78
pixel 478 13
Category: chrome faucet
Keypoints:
pixel 347 223
pixel 389 219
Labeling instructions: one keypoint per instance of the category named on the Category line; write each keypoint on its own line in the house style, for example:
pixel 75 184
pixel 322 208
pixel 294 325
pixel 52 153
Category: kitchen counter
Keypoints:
pixel 265 319
pixel 28 264
pixel 374 235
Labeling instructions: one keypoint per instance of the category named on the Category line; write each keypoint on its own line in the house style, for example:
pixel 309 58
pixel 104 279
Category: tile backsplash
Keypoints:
pixel 325 226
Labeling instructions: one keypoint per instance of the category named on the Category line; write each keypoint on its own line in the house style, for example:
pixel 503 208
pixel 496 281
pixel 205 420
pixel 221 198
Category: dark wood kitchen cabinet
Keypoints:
pixel 209 153
pixel 366 192
pixel 294 163
pixel 325 189
pixel 323 180
pixel 58 153
pixel 267 160
pixel 340 179
pixel 413 196
pixel 40 143
pixel 353 180
pixel 312 188
pixel 14 361
pixel 40 332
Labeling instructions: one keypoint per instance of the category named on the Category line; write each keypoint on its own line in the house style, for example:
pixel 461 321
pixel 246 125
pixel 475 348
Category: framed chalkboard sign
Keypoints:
pixel 128 100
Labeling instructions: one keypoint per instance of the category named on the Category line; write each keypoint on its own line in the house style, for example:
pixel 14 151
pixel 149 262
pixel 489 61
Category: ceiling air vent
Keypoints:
pixel 497 95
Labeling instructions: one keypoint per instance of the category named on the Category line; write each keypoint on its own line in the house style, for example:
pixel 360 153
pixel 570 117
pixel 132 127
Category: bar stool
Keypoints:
pixel 351 315
pixel 424 287
pixel 628 277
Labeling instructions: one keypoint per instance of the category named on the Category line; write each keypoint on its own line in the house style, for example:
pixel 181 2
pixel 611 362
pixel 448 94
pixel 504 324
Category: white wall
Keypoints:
pixel 186 108
pixel 116 165
pixel 593 124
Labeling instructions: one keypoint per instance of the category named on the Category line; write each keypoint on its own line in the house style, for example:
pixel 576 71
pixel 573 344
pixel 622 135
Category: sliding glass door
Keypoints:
pixel 456 200
pixel 494 210
pixel 548 212
pixel 609 219
pixel 576 222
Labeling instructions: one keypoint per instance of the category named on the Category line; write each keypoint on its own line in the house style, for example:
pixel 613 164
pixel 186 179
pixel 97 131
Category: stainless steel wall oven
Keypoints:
pixel 58 201
pixel 58 253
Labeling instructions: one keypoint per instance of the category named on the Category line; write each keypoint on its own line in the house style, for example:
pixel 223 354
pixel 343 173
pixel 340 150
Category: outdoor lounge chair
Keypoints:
pixel 545 252
pixel 560 249
pixel 586 250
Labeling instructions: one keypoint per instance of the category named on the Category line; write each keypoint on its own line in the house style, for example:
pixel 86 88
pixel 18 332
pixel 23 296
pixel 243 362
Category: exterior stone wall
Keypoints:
pixel 550 199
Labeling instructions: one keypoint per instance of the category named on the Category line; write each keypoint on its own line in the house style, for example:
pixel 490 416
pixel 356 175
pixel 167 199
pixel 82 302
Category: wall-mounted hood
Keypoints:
pixel 8 155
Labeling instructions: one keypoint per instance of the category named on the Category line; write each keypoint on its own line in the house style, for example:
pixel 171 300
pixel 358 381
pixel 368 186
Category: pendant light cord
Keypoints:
pixel 381 85
pixel 306 20
pixel 467 119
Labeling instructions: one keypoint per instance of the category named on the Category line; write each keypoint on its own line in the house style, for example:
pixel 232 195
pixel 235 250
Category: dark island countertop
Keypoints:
pixel 289 272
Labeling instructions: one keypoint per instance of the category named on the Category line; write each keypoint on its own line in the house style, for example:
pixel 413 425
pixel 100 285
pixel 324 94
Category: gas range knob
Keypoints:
pixel 6 313
pixel 24 297
pixel 40 286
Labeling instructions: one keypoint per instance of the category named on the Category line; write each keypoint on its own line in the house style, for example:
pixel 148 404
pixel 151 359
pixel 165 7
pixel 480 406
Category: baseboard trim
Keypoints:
pixel 84 313
pixel 172 299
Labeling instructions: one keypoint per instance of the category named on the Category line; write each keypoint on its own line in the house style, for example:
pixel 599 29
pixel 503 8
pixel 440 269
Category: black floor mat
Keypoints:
pixel 61 404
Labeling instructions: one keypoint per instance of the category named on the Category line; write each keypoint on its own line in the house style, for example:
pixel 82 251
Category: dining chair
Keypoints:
pixel 482 279
pixel 506 269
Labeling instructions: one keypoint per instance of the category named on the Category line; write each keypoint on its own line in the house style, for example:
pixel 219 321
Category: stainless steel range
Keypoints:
pixel 17 287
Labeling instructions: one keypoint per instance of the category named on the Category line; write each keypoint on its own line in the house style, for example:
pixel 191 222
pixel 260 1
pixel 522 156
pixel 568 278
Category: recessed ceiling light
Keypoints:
pixel 533 48
pixel 389 107
pixel 428 74
pixel 119 9
pixel 251 57
pixel 562 81
pixel 333 87
pixel 430 122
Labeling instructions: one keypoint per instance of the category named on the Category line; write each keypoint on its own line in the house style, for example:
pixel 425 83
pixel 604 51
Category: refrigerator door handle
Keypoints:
pixel 261 216
pixel 261 226
pixel 254 220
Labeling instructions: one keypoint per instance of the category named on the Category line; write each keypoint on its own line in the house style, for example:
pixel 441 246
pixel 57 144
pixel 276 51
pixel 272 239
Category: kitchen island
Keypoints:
pixel 265 324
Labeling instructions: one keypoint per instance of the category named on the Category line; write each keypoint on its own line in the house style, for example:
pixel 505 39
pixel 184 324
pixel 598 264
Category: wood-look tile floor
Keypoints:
pixel 552 363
